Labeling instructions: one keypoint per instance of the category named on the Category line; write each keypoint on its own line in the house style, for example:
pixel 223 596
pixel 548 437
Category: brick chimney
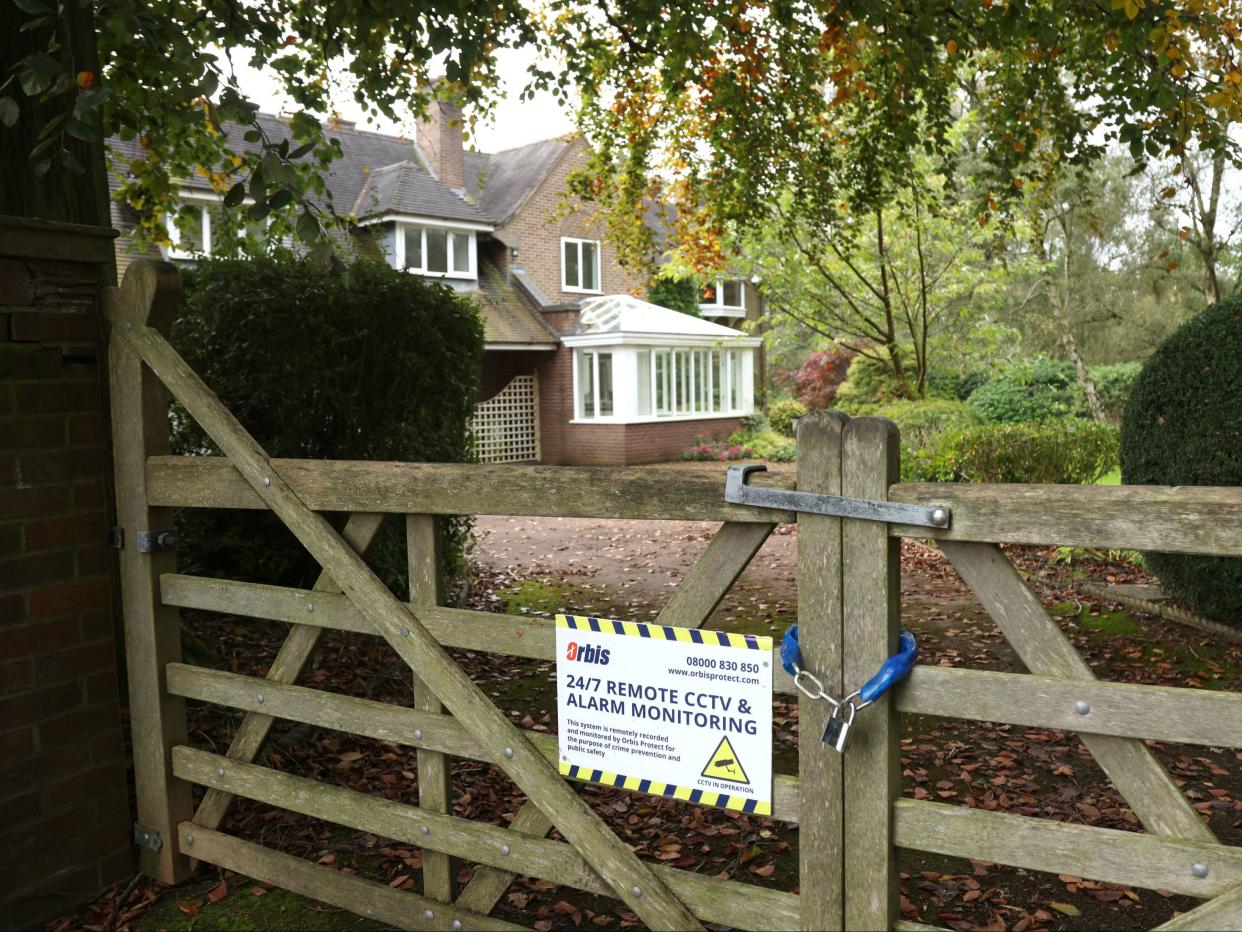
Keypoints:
pixel 439 138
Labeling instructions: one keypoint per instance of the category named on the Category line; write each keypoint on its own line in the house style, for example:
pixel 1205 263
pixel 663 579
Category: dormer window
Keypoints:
pixel 442 251
pixel 724 298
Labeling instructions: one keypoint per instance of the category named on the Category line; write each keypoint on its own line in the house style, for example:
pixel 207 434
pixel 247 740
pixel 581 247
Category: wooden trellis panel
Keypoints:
pixel 506 426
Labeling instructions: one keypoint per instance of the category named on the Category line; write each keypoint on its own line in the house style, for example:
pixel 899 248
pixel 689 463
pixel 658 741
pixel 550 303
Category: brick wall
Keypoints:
pixel 563 443
pixel 64 803
pixel 538 226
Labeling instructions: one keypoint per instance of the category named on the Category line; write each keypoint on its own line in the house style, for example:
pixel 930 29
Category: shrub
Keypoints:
pixel 1030 392
pixel 957 385
pixel 870 384
pixel 1067 451
pixel 1183 426
pixel 1113 385
pixel 766 445
pixel 922 422
pixel 782 414
pixel 384 367
pixel 755 422
pixel 816 381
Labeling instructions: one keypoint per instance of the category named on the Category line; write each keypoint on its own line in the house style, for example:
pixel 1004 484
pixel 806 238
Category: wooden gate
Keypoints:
pixel 849 615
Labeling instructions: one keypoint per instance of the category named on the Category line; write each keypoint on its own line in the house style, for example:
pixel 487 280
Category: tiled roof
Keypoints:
pixel 406 186
pixel 506 317
pixel 500 182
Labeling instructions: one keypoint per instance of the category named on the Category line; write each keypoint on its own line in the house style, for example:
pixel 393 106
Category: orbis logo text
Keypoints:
pixel 587 653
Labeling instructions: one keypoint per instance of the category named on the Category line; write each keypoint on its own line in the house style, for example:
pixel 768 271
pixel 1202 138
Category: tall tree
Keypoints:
pixel 883 284
pixel 727 110
pixel 161 71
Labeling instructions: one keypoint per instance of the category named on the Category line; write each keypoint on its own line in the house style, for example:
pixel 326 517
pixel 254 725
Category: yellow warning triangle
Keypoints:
pixel 724 765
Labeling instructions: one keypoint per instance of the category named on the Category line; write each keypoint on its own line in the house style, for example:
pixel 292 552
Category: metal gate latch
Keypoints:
pixel 737 492
pixel 156 541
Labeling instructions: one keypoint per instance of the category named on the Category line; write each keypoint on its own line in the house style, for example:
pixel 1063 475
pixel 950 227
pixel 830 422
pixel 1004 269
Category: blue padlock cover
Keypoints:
pixel 894 669
pixel 791 654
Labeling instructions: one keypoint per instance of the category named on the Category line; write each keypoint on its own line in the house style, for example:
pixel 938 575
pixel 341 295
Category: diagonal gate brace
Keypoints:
pixel 633 882
pixel 738 492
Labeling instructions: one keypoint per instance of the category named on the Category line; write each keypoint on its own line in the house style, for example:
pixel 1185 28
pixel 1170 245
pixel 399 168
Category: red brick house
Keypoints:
pixel 576 369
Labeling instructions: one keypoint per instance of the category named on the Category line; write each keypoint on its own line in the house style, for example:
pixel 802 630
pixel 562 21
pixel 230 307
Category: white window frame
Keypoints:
pixel 718 308
pixel 398 249
pixel 594 352
pixel 737 365
pixel 578 289
pixel 201 201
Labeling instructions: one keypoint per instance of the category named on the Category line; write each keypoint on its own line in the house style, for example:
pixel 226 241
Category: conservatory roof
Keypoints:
pixel 625 314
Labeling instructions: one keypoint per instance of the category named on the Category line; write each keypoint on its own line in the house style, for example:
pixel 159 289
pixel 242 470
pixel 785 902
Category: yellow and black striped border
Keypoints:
pixel 656 788
pixel 638 629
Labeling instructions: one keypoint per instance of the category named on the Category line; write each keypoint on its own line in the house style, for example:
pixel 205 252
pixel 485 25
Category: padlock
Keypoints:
pixel 837 729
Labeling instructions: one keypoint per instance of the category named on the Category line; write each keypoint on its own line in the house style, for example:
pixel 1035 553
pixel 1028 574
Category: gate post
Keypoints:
pixel 151 292
pixel 870 462
pixel 820 613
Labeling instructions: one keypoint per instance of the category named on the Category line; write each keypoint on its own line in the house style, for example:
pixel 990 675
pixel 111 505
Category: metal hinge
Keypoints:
pixel 145 837
pixel 156 541
pixel 737 492
pixel 116 538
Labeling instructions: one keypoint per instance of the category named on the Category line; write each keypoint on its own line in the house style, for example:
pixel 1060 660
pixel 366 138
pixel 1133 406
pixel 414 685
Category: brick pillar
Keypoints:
pixel 65 822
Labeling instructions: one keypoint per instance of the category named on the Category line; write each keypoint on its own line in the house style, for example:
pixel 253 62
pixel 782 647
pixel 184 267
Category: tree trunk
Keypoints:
pixel 59 194
pixel 1058 302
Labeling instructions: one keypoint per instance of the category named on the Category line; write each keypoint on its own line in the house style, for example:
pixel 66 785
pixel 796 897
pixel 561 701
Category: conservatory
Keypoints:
pixel 636 362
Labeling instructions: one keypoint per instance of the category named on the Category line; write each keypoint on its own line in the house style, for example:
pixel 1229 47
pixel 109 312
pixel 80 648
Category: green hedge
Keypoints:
pixel 384 366
pixel 1113 386
pixel 923 422
pixel 1183 426
pixel 1068 451
pixel 1030 392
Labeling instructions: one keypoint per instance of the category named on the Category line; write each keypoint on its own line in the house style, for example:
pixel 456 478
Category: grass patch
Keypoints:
pixel 1112 477
pixel 241 911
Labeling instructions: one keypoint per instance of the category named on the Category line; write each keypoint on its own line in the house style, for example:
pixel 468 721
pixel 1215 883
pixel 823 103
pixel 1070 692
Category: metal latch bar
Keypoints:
pixel 156 541
pixel 738 492
pixel 146 837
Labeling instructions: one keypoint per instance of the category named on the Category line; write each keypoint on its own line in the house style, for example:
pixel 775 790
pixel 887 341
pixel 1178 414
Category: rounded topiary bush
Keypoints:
pixel 1183 426
pixel 381 365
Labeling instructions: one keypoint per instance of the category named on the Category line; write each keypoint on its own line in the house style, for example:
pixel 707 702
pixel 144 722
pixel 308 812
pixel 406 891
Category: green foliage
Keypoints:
pixel 680 294
pixel 384 367
pixel 1030 392
pixel 782 414
pixel 922 422
pixel 767 445
pixel 1066 451
pixel 1183 426
pixel 1113 385
pixel 954 384
pixel 869 384
pixel 161 78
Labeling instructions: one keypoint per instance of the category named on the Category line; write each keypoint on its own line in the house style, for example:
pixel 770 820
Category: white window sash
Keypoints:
pixel 399 253
pixel 578 287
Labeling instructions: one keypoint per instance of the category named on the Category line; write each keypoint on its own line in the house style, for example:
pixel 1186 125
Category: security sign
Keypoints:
pixel 668 711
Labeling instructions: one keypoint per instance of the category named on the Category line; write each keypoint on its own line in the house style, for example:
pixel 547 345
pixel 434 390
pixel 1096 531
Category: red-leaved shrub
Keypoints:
pixel 816 381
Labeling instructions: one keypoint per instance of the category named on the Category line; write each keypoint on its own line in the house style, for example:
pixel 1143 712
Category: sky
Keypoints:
pixel 514 122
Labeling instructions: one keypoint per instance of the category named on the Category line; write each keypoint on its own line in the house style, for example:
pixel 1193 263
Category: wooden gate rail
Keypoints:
pixel 395 908
pixel 1107 854
pixel 381 720
pixel 711 899
pixel 1184 519
pixel 488 632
